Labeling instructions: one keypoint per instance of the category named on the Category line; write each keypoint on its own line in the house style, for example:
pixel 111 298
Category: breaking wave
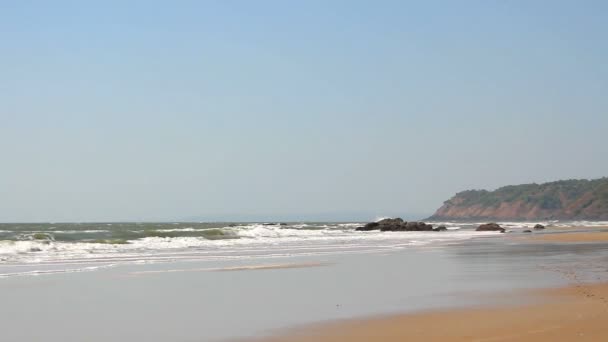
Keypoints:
pixel 52 244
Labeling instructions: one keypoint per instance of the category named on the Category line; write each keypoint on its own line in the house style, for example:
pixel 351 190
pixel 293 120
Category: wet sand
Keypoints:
pixel 260 267
pixel 577 312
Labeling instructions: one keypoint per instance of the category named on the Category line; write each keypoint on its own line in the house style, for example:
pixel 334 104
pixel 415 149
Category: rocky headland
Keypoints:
pixel 561 200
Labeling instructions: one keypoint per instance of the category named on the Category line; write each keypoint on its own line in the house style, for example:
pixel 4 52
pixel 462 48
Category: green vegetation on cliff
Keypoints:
pixel 565 199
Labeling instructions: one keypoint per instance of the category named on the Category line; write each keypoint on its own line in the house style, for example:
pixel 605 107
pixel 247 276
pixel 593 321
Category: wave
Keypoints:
pixel 37 236
pixel 55 271
pixel 110 241
pixel 256 236
pixel 155 242
pixel 90 231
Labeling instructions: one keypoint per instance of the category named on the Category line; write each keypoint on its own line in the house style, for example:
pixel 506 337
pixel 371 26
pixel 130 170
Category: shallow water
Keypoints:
pixel 29 249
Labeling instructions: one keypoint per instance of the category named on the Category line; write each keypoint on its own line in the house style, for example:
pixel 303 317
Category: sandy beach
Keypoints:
pixel 574 313
pixel 573 237
pixel 577 312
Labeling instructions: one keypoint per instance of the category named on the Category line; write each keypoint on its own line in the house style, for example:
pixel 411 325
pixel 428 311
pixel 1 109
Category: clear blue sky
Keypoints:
pixel 148 110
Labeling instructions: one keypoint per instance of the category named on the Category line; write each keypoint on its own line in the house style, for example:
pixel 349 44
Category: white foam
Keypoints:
pixel 189 229
pixel 380 218
pixel 75 231
pixel 55 271
pixel 250 240
pixel 253 236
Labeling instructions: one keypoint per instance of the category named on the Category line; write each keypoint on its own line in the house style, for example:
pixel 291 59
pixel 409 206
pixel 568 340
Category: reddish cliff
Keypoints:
pixel 571 199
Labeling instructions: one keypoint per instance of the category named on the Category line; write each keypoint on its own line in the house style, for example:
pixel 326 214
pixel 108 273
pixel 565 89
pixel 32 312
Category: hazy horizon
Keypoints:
pixel 354 216
pixel 152 111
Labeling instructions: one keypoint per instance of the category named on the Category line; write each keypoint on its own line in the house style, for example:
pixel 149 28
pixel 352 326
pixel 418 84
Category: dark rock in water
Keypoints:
pixel 369 226
pixel 440 229
pixel 424 227
pixel 410 226
pixel 391 222
pixel 527 231
pixel 389 228
pixel 539 226
pixel 419 226
pixel 396 225
pixel 392 225
pixel 488 227
pixel 282 224
pixel 270 224
pixel 232 225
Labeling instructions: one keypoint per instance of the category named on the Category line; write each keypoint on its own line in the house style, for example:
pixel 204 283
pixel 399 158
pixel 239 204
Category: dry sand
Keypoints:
pixel 577 313
pixel 572 237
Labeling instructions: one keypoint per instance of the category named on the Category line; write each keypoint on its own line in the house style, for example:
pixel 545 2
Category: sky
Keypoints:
pixel 301 110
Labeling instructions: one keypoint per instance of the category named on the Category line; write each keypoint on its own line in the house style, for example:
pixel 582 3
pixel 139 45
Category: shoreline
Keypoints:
pixel 570 237
pixel 552 314
pixel 262 295
pixel 574 312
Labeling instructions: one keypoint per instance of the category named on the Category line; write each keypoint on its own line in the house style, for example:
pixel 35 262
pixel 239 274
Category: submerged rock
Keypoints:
pixel 527 231
pixel 489 227
pixel 539 226
pixel 440 229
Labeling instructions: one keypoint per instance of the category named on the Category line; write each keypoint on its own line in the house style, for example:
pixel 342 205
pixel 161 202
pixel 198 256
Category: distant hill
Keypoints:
pixel 565 200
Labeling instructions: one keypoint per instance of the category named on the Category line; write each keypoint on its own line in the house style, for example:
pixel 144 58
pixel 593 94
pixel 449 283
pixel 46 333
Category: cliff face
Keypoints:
pixel 565 200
